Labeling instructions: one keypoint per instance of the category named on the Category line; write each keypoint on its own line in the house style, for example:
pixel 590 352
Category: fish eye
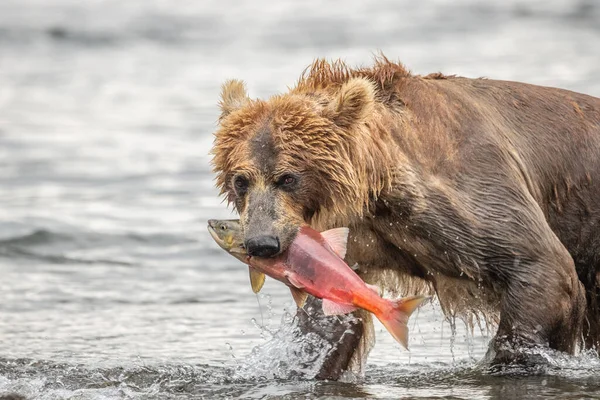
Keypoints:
pixel 223 227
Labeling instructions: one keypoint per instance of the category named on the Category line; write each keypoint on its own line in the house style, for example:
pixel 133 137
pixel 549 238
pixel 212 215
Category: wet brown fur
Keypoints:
pixel 484 192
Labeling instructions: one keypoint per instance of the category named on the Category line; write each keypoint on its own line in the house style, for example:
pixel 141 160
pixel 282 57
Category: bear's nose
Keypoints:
pixel 262 246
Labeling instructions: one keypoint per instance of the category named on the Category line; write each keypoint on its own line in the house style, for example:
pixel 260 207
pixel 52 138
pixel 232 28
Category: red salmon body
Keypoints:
pixel 314 264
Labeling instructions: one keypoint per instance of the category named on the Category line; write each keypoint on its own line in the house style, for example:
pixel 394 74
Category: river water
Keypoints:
pixel 111 287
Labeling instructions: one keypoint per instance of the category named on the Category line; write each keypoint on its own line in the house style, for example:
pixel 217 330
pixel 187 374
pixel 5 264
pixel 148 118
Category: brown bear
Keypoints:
pixel 484 192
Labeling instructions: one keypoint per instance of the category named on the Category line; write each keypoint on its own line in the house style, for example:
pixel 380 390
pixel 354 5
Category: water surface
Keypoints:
pixel 110 286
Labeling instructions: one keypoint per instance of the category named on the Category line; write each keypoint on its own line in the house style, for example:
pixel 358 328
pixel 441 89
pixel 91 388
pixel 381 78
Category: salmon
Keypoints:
pixel 314 264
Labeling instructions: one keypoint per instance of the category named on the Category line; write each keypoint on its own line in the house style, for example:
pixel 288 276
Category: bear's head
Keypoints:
pixel 296 158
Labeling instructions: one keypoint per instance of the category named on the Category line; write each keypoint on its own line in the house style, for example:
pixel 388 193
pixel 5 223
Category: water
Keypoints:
pixel 110 285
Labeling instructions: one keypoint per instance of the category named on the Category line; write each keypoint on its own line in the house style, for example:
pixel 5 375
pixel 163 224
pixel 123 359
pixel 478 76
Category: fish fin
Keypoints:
pixel 295 282
pixel 299 296
pixel 374 288
pixel 257 280
pixel 395 320
pixel 333 308
pixel 337 238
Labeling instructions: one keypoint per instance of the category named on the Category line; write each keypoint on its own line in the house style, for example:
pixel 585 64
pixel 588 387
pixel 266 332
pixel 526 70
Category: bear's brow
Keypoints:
pixel 262 148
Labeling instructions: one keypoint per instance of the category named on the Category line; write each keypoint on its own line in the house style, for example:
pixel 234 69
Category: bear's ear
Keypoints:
pixel 233 97
pixel 354 102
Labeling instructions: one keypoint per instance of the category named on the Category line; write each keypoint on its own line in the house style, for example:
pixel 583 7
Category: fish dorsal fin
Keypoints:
pixel 257 280
pixel 337 238
pixel 374 288
pixel 299 296
pixel 333 308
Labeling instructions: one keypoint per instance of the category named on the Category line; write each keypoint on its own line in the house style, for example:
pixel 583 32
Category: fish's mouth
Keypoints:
pixel 212 223
pixel 216 237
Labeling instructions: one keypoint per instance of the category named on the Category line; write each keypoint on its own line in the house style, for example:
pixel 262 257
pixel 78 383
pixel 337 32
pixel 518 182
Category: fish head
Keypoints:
pixel 228 234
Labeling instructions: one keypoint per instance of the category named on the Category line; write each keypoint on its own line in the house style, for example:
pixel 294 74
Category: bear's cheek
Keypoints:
pixel 240 203
pixel 290 206
pixel 304 204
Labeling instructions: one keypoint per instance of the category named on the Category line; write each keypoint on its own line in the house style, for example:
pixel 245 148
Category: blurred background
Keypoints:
pixel 107 109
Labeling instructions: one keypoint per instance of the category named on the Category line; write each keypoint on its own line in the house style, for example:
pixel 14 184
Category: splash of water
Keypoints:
pixel 289 354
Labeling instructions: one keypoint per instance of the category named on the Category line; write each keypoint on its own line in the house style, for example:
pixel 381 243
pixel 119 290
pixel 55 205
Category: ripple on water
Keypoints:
pixel 576 376
pixel 105 188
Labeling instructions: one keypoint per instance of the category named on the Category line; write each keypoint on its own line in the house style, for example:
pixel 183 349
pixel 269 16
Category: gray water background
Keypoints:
pixel 110 286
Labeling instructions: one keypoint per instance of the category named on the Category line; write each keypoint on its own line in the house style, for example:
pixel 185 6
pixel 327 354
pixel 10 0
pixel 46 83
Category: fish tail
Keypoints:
pixel 395 320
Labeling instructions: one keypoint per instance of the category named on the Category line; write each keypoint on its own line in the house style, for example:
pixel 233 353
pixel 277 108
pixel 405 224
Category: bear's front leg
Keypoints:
pixel 504 240
pixel 543 304
pixel 344 334
pixel 497 236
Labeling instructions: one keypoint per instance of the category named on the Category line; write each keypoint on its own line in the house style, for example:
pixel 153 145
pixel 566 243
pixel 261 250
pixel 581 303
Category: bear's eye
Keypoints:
pixel 241 184
pixel 287 181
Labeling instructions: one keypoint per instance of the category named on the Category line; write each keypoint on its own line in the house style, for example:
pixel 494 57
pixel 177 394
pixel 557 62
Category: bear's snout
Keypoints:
pixel 262 246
